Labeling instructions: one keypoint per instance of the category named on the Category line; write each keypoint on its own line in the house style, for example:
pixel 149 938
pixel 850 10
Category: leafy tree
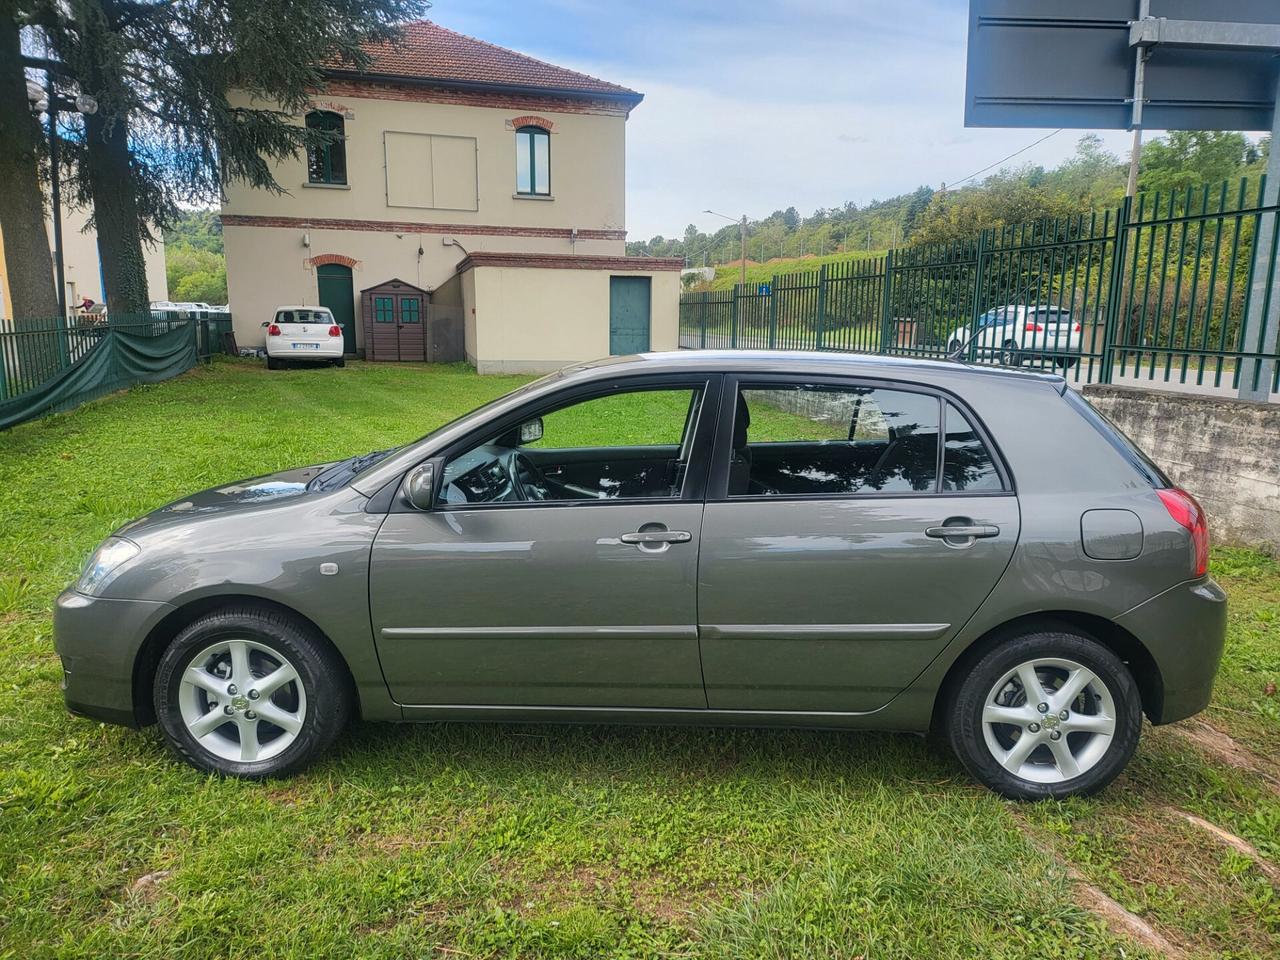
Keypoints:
pixel 170 129
pixel 1191 158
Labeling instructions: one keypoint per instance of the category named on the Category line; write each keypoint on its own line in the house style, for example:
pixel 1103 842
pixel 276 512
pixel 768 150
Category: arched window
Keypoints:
pixel 327 163
pixel 533 161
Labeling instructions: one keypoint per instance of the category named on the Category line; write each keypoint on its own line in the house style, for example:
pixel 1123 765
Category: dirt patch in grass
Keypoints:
pixel 1211 741
pixel 1169 880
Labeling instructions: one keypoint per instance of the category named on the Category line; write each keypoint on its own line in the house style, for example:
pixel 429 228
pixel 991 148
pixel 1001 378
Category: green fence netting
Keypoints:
pixel 50 366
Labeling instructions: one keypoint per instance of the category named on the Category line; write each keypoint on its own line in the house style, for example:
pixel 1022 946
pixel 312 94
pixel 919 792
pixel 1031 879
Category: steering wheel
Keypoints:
pixel 530 482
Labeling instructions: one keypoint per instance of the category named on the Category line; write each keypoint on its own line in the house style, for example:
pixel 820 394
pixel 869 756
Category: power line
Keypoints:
pixel 956 183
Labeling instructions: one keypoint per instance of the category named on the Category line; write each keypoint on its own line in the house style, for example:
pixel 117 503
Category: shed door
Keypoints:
pixel 336 293
pixel 628 315
pixel 385 343
pixel 410 327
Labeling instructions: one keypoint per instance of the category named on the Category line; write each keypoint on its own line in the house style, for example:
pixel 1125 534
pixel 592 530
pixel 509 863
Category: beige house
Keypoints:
pixel 82 269
pixel 467 184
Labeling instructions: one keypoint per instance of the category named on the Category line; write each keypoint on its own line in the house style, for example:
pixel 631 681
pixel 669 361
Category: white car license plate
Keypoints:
pixel 306 346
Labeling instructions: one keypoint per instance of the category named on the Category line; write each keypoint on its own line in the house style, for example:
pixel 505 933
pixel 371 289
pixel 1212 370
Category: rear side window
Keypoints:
pixel 967 464
pixel 1140 462
pixel 818 440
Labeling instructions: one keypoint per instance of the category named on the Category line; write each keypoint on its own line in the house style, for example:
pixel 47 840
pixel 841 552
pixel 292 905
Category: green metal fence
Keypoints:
pixel 1165 290
pixel 47 365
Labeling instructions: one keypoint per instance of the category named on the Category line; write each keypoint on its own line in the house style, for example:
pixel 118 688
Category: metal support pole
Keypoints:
pixel 55 193
pixel 1264 299
pixel 743 228
pixel 1139 101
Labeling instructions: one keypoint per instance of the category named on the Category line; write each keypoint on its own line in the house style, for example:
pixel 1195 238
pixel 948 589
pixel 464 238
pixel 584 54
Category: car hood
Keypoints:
pixel 242 496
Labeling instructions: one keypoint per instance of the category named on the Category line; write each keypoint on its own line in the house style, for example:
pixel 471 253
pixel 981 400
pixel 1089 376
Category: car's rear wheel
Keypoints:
pixel 340 362
pixel 1010 355
pixel 273 363
pixel 1046 715
pixel 249 692
pixel 954 347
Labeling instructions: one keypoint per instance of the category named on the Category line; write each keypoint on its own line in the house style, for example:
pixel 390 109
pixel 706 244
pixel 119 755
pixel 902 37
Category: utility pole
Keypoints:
pixel 1139 101
pixel 742 238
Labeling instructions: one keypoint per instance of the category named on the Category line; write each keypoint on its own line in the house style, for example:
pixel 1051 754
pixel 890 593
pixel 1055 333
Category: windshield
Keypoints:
pixel 304 316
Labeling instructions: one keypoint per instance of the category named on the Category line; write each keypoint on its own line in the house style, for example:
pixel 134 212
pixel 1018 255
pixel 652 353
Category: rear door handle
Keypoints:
pixel 962 532
pixel 657 536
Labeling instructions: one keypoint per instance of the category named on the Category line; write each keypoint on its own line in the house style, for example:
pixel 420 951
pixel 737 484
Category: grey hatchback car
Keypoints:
pixel 766 539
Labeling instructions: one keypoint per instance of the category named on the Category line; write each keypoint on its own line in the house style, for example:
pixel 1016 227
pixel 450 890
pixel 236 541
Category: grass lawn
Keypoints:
pixel 457 841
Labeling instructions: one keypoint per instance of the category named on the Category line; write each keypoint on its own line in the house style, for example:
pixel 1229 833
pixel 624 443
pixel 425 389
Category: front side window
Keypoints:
pixel 327 162
pixel 533 161
pixel 812 440
pixel 622 446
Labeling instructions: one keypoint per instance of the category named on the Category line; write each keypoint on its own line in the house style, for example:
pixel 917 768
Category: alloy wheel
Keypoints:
pixel 242 701
pixel 1049 720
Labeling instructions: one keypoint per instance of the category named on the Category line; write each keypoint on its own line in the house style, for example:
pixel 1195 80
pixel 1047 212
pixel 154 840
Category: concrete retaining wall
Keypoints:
pixel 1225 452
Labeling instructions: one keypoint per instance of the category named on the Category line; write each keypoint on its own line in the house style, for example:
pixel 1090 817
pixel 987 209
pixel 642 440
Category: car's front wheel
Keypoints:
pixel 250 692
pixel 1046 715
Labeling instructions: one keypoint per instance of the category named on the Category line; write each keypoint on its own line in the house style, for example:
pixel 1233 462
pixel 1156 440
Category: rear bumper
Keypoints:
pixel 1184 629
pixel 330 349
pixel 98 641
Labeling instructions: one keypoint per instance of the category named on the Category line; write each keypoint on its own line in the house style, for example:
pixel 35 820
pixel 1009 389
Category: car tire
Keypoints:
pixel 273 363
pixel 1066 363
pixel 211 670
pixel 1010 355
pixel 1075 747
pixel 340 362
pixel 954 347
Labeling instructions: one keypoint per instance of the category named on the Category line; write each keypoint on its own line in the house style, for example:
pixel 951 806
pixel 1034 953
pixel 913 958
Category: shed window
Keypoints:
pixel 384 310
pixel 533 161
pixel 327 162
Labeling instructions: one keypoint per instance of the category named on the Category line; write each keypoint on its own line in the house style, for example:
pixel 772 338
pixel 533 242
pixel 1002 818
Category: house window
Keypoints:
pixel 327 162
pixel 533 161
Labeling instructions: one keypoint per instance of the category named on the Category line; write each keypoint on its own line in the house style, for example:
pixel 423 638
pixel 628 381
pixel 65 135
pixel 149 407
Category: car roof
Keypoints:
pixel 302 306
pixel 801 361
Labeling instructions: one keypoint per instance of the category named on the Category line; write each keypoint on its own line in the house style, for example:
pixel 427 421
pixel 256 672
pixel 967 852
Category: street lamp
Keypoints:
pixel 46 100
pixel 742 229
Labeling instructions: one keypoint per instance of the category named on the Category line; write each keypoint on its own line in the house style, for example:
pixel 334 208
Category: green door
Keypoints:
pixel 337 293
pixel 628 315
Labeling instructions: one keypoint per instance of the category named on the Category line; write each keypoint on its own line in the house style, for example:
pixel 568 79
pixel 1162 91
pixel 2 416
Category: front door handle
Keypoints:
pixel 960 531
pixel 643 537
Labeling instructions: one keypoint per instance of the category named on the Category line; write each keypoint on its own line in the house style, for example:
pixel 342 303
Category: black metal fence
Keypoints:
pixel 1168 289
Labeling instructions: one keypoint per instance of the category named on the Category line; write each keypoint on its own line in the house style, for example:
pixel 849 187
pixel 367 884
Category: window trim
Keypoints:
pixel 327 178
pixel 699 455
pixel 533 191
pixel 718 483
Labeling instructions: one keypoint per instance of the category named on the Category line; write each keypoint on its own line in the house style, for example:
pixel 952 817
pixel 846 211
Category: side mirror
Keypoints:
pixel 531 430
pixel 266 323
pixel 419 486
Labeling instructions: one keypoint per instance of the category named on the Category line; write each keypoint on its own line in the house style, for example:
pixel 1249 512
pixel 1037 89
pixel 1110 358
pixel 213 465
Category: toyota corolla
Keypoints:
pixel 765 539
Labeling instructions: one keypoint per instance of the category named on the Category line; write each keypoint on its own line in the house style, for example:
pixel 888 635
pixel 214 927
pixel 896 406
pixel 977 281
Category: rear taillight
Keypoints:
pixel 1034 328
pixel 1078 329
pixel 1187 512
pixel 335 331
pixel 273 330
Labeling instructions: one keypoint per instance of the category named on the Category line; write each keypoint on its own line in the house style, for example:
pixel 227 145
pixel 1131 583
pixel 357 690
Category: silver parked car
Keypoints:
pixel 766 539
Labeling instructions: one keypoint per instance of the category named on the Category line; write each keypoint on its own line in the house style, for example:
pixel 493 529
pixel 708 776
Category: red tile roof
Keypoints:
pixel 427 51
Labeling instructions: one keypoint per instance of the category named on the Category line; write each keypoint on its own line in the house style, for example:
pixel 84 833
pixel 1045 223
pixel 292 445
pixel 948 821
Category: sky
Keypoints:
pixel 756 106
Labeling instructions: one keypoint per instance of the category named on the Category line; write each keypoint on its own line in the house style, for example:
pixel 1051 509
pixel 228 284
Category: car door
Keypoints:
pixel 827 581
pixel 527 587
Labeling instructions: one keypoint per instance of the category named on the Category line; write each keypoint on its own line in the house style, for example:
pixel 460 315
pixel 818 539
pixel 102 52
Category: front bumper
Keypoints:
pixel 1184 629
pixel 98 640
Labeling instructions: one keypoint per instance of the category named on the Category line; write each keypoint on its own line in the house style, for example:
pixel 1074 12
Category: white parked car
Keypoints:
pixel 1016 333
pixel 303 333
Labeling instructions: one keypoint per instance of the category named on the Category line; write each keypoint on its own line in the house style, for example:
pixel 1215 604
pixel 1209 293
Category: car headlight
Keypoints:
pixel 111 555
